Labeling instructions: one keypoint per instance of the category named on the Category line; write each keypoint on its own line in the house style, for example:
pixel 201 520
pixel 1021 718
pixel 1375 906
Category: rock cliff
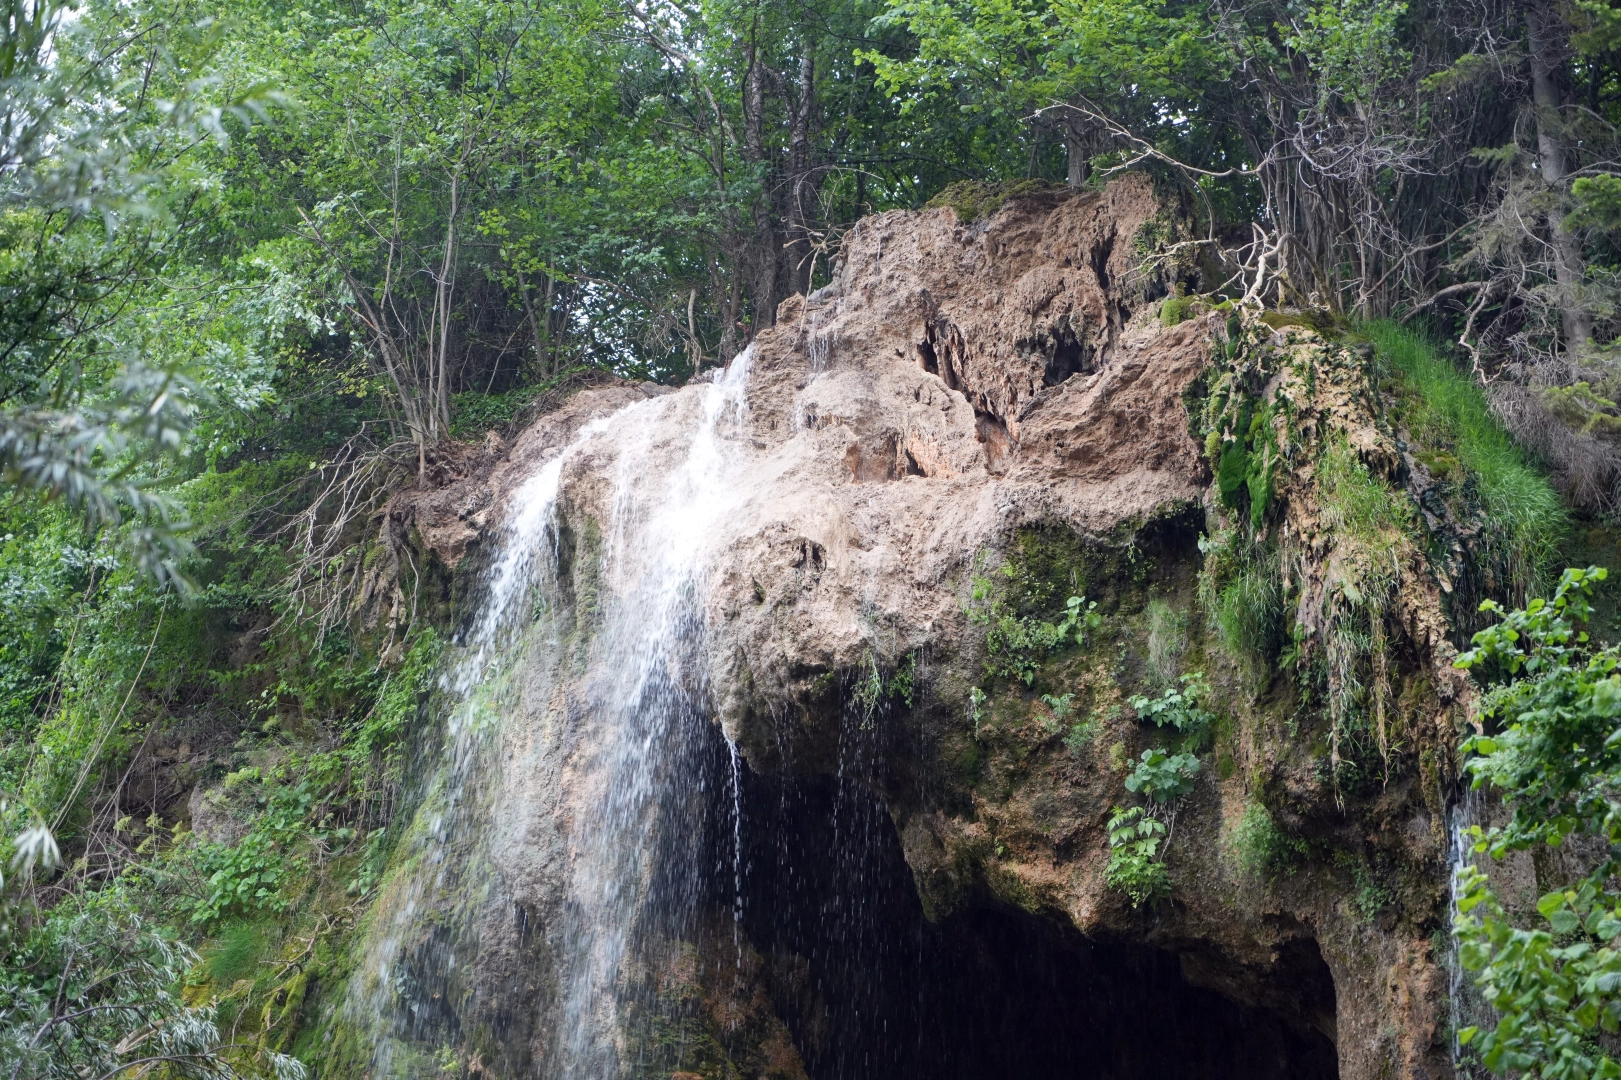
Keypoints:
pixel 973 423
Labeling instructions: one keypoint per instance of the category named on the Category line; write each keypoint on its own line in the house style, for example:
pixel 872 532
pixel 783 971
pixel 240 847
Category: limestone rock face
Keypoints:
pixel 958 391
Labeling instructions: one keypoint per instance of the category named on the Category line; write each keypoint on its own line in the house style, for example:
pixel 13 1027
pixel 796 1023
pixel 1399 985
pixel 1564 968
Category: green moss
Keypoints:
pixel 976 199
pixel 1176 309
pixel 1232 469
pixel 1584 410
pixel 967 762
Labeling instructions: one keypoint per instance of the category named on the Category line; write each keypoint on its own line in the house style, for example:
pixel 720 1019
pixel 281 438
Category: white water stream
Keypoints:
pixel 648 684
pixel 1466 1007
pixel 628 748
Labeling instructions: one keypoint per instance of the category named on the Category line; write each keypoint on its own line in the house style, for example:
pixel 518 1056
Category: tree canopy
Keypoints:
pixel 261 261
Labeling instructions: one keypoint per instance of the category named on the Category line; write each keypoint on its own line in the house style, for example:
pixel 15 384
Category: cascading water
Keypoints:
pixel 632 748
pixel 648 692
pixel 1466 1006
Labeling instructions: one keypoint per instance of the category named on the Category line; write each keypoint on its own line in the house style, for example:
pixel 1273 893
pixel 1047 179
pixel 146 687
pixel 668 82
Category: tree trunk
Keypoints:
pixel 763 248
pixel 801 189
pixel 1550 41
pixel 1080 166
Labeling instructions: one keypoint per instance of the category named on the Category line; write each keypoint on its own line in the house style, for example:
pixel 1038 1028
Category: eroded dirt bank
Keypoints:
pixel 971 424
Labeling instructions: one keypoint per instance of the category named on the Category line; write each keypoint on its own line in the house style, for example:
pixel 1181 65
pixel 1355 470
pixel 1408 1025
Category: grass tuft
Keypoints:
pixel 236 953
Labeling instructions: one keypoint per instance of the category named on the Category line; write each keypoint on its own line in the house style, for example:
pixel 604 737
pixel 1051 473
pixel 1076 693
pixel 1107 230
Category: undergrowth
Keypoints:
pixel 1524 516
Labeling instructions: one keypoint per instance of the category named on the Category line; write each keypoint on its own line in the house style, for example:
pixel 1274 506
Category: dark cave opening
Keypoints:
pixel 869 988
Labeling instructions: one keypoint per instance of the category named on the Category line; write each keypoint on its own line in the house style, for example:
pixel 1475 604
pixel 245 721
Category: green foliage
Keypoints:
pixel 96 156
pixel 1525 520
pixel 1162 776
pixel 92 974
pixel 1247 462
pixel 1135 865
pixel 1553 707
pixel 1552 749
pixel 1241 590
pixel 976 707
pixel 1262 847
pixel 246 876
pixel 1373 897
pixel 1061 706
pixel 1598 202
pixel 874 691
pixel 1179 707
pixel 1082 734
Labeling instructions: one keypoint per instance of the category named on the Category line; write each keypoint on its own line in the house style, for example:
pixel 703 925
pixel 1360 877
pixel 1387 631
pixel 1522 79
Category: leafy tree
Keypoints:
pixel 95 996
pixel 1552 749
pixel 95 120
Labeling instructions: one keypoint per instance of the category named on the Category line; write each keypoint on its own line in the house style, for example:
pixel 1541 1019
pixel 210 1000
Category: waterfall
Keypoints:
pixel 625 774
pixel 1466 1007
pixel 647 692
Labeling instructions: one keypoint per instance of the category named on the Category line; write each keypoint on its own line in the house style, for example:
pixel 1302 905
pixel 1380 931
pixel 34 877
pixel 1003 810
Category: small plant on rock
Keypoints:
pixel 1263 848
pixel 1167 639
pixel 1178 707
pixel 1017 645
pixel 1060 707
pixel 1134 856
pixel 1163 777
pixel 1080 735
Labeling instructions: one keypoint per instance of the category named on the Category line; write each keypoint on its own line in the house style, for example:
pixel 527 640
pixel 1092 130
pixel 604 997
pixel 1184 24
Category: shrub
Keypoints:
pixel 1134 864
